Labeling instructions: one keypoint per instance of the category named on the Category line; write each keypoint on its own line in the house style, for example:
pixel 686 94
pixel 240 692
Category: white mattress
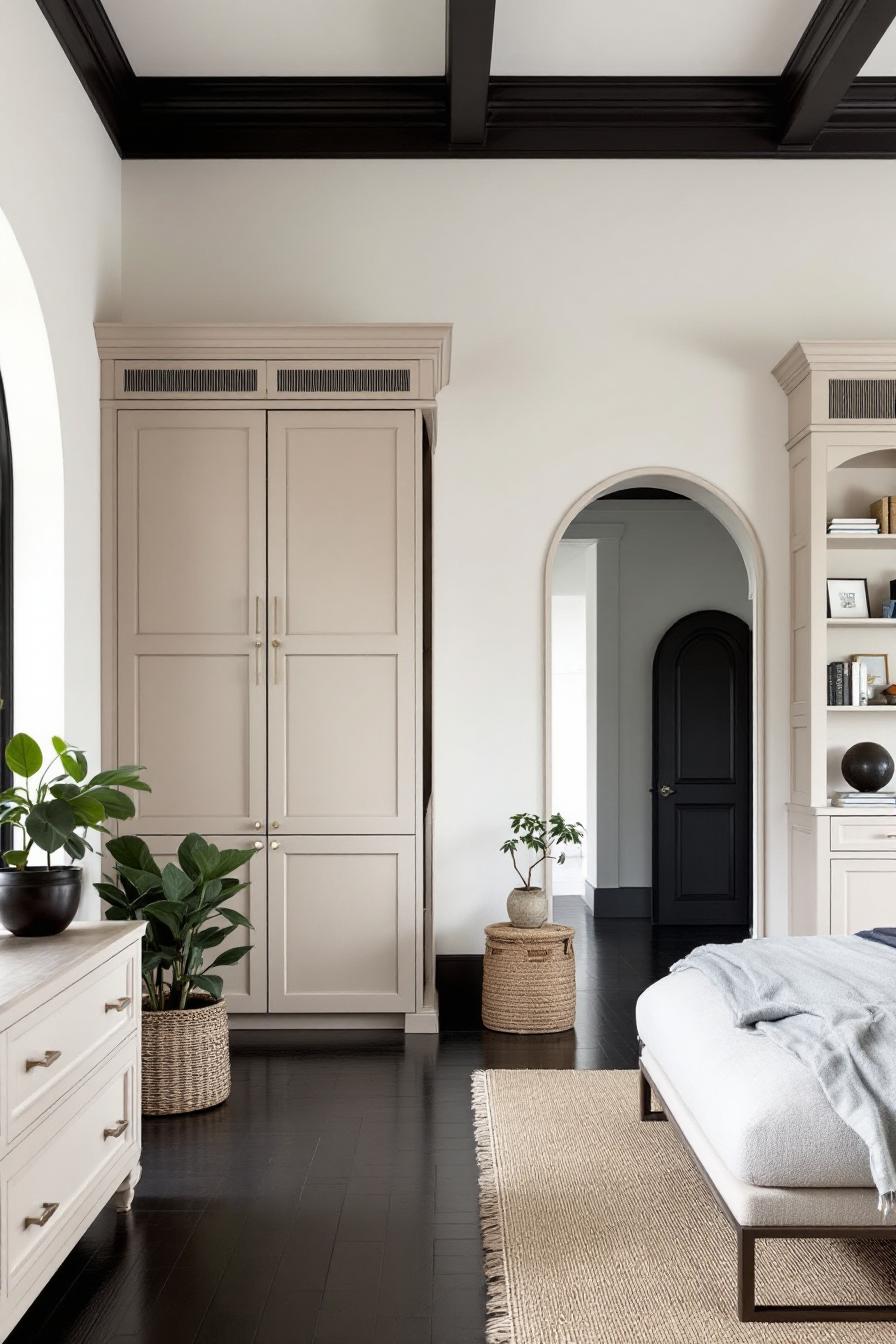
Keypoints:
pixel 760 1109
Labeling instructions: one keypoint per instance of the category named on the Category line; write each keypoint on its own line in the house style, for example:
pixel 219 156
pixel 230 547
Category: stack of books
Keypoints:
pixel 853 527
pixel 884 510
pixel 848 682
pixel 862 802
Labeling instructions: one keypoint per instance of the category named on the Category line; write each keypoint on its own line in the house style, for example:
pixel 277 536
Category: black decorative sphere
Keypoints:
pixel 867 767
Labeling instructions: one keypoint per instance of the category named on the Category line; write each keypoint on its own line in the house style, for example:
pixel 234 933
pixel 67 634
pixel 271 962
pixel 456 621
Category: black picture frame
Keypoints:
pixel 859 585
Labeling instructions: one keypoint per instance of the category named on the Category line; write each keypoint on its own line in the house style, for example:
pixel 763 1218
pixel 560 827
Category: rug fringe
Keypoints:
pixel 499 1325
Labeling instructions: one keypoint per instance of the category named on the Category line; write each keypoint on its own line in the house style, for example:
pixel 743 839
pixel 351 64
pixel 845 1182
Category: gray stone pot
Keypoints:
pixel 527 907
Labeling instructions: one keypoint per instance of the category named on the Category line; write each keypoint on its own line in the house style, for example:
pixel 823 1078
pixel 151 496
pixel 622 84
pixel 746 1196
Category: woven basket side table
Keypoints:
pixel 529 979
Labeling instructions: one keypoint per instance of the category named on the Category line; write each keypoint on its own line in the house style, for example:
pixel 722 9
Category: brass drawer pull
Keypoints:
pixel 116 1131
pixel 118 1005
pixel 48 1211
pixel 50 1057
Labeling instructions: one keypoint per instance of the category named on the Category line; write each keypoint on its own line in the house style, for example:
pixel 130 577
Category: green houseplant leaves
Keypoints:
pixel 535 838
pixel 55 811
pixel 186 911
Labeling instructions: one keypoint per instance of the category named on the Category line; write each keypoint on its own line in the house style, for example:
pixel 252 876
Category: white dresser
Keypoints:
pixel 69 1095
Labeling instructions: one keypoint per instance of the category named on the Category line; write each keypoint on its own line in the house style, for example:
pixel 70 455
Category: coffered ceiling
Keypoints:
pixel 523 78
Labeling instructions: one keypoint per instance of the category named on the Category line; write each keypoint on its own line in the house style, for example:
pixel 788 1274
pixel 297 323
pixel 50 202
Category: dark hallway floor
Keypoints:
pixel 333 1199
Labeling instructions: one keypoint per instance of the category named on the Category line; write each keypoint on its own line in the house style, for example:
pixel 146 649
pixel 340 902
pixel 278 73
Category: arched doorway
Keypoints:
pixel 6 584
pixel 741 533
pixel 36 575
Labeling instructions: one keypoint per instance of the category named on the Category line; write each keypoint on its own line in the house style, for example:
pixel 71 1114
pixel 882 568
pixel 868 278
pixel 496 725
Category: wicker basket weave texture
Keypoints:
pixel 186 1059
pixel 529 979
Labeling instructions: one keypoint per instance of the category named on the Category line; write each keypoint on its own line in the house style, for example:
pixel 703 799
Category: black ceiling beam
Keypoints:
pixel 513 118
pixel 840 37
pixel 90 42
pixel 471 25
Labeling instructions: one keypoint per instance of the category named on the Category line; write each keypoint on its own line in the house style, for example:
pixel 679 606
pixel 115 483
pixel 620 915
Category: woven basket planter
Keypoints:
pixel 186 1058
pixel 529 979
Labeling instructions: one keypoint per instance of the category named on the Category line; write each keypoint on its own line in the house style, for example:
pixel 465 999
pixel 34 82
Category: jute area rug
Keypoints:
pixel 598 1230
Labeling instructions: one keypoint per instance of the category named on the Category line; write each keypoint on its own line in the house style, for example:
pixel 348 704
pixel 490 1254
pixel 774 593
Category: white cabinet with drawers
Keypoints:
pixel 842 867
pixel 69 1095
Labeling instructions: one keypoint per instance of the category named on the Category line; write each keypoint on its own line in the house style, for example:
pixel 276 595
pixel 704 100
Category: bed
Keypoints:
pixel 776 1156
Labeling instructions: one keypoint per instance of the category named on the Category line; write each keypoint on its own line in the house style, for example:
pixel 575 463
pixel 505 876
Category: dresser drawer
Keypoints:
pixel 863 833
pixel 46 1182
pixel 51 1049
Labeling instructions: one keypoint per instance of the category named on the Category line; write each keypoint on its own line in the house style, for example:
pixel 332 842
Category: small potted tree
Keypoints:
pixel 186 1050
pixel 53 807
pixel 533 839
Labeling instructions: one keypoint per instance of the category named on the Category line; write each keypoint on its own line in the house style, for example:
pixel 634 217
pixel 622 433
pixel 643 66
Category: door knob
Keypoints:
pixel 275 844
pixel 666 790
pixel 257 825
pixel 259 844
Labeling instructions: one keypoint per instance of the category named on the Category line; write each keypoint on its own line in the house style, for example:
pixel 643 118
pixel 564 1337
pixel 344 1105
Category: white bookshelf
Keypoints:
pixel 842 862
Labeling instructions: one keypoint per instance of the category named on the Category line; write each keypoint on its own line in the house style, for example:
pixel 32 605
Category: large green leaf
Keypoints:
pixel 212 984
pixel 125 775
pixel 116 804
pixel 234 917
pixel 89 811
pixel 73 762
pixel 212 936
pixel 65 790
pixel 75 847
pixel 23 756
pixel 167 913
pixel 224 861
pixel 230 956
pixel 112 895
pixel 50 824
pixel 192 855
pixel 143 882
pixel 16 858
pixel 175 884
pixel 132 852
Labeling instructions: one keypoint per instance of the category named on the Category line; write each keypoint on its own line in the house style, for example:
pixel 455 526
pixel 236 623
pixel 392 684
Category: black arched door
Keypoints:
pixel 702 772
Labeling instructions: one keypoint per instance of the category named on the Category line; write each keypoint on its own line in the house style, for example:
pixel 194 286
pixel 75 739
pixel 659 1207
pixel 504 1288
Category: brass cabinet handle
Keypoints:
pixel 49 1057
pixel 276 616
pixel 115 1131
pixel 259 826
pixel 258 615
pixel 118 1005
pixel 259 844
pixel 48 1211
pixel 258 647
pixel 275 844
pixel 275 644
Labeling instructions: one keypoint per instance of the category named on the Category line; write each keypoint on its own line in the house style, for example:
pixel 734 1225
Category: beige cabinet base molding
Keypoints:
pixel 264 636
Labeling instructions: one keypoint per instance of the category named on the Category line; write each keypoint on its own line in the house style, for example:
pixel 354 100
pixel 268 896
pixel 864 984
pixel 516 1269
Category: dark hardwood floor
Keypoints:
pixel 333 1198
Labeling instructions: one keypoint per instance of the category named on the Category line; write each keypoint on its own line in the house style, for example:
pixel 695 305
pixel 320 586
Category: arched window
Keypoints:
pixel 6 637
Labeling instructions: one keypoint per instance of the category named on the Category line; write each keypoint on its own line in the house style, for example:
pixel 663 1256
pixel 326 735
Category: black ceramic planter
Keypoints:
pixel 38 902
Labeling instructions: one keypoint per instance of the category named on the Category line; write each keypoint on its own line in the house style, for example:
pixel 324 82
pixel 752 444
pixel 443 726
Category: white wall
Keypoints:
pixel 674 558
pixel 60 268
pixel 568 684
pixel 607 314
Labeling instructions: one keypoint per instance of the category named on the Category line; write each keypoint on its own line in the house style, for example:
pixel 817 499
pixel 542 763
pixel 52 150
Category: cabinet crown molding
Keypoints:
pixel 853 357
pixel 354 343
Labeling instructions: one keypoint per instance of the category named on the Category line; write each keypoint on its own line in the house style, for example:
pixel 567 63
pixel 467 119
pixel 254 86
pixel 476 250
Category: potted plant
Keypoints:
pixel 186 1051
pixel 53 806
pixel 527 905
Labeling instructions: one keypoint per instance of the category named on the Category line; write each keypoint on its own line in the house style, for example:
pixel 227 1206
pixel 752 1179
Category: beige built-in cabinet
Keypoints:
pixel 265 635
pixel 842 457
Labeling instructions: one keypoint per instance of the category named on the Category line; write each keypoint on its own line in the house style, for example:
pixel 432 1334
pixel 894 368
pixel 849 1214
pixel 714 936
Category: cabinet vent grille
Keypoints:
pixel 190 380
pixel 343 380
pixel 862 399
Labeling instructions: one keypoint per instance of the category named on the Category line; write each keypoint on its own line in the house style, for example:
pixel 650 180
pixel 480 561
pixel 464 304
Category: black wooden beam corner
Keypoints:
pixel 91 44
pixel 471 25
pixel 840 37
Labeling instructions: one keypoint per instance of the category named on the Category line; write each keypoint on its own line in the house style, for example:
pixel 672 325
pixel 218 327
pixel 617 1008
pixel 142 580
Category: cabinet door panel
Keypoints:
pixel 342 924
pixel 863 894
pixel 246 983
pixel 342 548
pixel 191 613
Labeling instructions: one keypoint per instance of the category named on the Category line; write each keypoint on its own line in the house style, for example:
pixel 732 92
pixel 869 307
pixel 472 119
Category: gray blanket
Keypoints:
pixel 831 1002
